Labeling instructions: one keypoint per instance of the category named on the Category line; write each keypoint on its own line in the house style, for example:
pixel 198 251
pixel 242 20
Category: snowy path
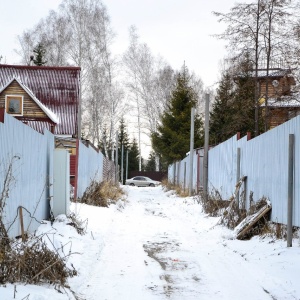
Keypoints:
pixel 156 249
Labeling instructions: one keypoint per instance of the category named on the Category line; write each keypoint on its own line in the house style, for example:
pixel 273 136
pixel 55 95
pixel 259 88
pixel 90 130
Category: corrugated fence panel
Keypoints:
pixel 90 167
pixel 264 160
pixel 179 172
pixel 222 168
pixel 30 155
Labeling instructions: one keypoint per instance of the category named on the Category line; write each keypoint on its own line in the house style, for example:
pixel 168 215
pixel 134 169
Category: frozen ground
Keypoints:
pixel 159 246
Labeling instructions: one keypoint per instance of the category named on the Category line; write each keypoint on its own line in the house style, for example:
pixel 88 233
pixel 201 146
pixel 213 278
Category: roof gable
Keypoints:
pixel 56 88
pixel 46 110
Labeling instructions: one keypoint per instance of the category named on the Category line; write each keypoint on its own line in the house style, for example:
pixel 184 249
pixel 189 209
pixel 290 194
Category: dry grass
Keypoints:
pixel 277 231
pixel 179 190
pixel 214 205
pixel 77 223
pixel 102 194
pixel 32 262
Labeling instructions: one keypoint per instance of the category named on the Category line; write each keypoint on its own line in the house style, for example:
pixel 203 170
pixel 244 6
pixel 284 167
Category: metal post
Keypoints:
pixel 116 160
pixel 290 191
pixel 238 173
pixel 122 171
pixel 127 164
pixel 206 141
pixel 184 176
pixel 191 151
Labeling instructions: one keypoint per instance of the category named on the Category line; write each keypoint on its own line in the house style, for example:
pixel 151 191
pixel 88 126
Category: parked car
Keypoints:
pixel 141 181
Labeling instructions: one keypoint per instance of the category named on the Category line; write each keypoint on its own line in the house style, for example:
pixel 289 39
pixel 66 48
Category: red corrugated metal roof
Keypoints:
pixel 58 88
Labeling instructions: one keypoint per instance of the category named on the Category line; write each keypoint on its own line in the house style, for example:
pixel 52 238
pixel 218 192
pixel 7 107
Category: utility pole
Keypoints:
pixel 290 190
pixel 116 159
pixel 191 150
pixel 127 164
pixel 206 141
pixel 122 171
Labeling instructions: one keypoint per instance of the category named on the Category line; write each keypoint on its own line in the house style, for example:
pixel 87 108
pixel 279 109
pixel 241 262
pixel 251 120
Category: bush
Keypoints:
pixel 102 194
pixel 179 190
pixel 32 262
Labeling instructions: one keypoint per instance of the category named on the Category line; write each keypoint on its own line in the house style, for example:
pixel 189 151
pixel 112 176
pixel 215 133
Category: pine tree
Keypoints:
pixel 40 52
pixel 133 156
pixel 123 140
pixel 220 123
pixel 150 166
pixel 172 139
pixel 234 108
pixel 243 108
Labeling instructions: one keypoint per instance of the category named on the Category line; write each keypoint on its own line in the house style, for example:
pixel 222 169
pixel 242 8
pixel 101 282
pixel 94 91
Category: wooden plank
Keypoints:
pixel 22 224
pixel 250 221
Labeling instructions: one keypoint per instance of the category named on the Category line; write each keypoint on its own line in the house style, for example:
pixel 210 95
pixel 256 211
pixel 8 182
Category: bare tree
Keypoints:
pixel 251 31
pixel 80 34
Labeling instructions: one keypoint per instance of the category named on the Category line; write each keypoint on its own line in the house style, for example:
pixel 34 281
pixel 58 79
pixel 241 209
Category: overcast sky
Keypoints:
pixel 178 30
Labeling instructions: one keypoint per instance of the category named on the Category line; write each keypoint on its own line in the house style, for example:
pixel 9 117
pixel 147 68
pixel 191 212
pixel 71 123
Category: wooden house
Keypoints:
pixel 45 98
pixel 283 103
pixel 42 97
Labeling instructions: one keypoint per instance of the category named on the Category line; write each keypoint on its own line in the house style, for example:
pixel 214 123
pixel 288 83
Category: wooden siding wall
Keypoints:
pixel 31 157
pixel 30 108
pixel 284 86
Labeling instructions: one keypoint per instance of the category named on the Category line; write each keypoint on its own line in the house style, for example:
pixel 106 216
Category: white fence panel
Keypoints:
pixel 30 155
pixel 179 172
pixel 264 160
pixel 90 167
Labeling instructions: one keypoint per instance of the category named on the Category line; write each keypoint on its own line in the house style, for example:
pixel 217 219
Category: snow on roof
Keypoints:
pixel 284 101
pixel 57 88
pixel 53 117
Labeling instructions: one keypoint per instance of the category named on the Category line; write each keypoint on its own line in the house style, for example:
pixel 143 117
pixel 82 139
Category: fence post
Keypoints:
pixel 290 191
pixel 238 173
pixel 122 171
pixel 206 146
pixel 184 176
pixel 116 161
pixel 191 151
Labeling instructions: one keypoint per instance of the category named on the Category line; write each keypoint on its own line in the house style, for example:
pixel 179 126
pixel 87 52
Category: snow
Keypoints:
pixel 156 245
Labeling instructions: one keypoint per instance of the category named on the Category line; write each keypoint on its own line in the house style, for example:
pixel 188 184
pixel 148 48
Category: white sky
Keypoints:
pixel 178 30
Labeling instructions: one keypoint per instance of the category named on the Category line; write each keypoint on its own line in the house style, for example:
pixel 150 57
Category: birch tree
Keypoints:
pixel 79 34
pixel 257 30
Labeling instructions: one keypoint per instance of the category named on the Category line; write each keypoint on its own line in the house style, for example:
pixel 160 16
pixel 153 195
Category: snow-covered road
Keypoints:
pixel 163 247
pixel 159 246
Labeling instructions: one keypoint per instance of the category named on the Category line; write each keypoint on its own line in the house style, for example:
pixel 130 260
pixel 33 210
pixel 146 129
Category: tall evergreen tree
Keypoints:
pixel 243 107
pixel 172 139
pixel 39 58
pixel 133 156
pixel 123 141
pixel 234 109
pixel 221 114
pixel 151 166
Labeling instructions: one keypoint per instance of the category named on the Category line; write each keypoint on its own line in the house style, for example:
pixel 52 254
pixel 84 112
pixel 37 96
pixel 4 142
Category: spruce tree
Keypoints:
pixel 234 108
pixel 150 166
pixel 220 123
pixel 133 156
pixel 39 58
pixel 172 139
pixel 122 140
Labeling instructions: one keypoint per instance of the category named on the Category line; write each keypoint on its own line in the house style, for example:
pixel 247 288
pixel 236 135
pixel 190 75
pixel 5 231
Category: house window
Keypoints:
pixel 14 105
